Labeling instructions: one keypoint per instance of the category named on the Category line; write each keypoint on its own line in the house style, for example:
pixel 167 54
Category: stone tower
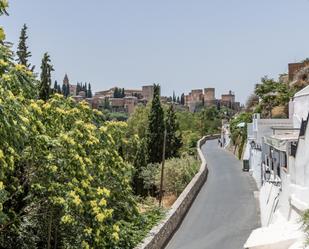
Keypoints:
pixel 209 96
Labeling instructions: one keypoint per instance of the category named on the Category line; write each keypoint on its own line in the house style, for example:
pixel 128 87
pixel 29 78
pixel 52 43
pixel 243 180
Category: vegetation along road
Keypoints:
pixel 225 211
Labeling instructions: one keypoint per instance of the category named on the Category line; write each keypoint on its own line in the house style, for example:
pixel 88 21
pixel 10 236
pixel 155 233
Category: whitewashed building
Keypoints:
pixel 256 131
pixel 284 183
pixel 299 106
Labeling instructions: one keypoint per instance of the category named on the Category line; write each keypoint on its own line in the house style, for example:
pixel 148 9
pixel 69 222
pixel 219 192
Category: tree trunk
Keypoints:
pixel 49 230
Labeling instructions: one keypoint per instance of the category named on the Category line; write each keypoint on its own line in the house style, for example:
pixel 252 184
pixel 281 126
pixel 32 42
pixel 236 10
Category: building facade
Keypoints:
pixel 280 166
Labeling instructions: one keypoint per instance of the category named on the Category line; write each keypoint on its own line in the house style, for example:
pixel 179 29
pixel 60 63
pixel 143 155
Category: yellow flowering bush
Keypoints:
pixel 80 181
pixel 64 171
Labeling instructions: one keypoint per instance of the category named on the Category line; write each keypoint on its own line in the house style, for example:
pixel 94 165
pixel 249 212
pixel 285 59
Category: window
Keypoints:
pixel 284 160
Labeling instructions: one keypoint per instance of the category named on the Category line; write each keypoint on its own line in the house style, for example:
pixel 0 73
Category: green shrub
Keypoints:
pixel 305 221
pixel 178 172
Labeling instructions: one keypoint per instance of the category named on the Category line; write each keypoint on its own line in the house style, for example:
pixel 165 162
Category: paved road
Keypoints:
pixel 224 213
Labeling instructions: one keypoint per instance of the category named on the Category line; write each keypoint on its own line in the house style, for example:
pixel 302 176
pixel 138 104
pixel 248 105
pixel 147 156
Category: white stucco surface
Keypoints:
pixel 281 206
pixel 300 104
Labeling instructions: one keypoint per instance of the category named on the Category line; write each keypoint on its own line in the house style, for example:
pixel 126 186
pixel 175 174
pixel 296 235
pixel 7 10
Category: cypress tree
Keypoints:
pixel 77 86
pixel 174 97
pixel 106 104
pixel 173 134
pixel 55 86
pixel 116 92
pixel 22 49
pixel 64 89
pixel 182 99
pixel 155 131
pixel 89 92
pixel 67 94
pixel 45 82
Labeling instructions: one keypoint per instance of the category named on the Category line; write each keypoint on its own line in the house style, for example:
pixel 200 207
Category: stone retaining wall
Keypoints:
pixel 159 236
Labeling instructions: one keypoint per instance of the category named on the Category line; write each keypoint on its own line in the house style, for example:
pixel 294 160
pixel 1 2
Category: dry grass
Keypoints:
pixel 169 200
pixel 279 111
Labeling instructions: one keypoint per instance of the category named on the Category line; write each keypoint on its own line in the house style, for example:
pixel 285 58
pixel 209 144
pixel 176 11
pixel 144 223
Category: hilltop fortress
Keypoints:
pixel 198 98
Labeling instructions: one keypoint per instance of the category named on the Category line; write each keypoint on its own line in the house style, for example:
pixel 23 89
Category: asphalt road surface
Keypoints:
pixel 225 211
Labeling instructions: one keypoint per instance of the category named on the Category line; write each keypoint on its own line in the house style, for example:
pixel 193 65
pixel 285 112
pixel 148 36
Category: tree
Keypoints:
pixel 106 104
pixel 173 137
pixel 55 89
pixel 46 69
pixel 59 89
pixel 138 121
pixel 209 120
pixel 272 94
pixel 64 89
pixel 116 93
pixel 252 102
pixel 182 99
pixel 155 130
pixel 78 88
pixel 174 97
pixel 3 7
pixel 239 134
pixel 89 92
pixel 22 49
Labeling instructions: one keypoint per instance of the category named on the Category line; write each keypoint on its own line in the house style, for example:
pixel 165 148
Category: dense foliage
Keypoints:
pixel 65 180
pixel 239 132
pixel 178 173
pixel 272 94
pixel 193 126
pixel 173 134
pixel 305 221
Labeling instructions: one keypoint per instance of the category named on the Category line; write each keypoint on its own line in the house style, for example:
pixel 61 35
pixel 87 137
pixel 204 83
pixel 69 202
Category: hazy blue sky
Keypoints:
pixel 181 44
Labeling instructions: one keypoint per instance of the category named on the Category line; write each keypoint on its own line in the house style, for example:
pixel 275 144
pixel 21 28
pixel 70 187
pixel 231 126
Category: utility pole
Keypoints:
pixel 162 170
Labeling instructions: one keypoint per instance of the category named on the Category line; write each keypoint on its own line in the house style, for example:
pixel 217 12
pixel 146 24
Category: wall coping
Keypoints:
pixel 160 234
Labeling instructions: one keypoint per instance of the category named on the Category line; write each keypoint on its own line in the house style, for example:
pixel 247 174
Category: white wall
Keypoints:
pixel 300 109
pixel 255 166
pixel 268 199
pixel 302 161
pixel 263 127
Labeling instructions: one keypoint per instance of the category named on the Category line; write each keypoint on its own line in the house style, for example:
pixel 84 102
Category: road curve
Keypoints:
pixel 225 212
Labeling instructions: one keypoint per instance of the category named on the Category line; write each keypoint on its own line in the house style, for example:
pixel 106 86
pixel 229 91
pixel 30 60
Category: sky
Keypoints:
pixel 180 44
